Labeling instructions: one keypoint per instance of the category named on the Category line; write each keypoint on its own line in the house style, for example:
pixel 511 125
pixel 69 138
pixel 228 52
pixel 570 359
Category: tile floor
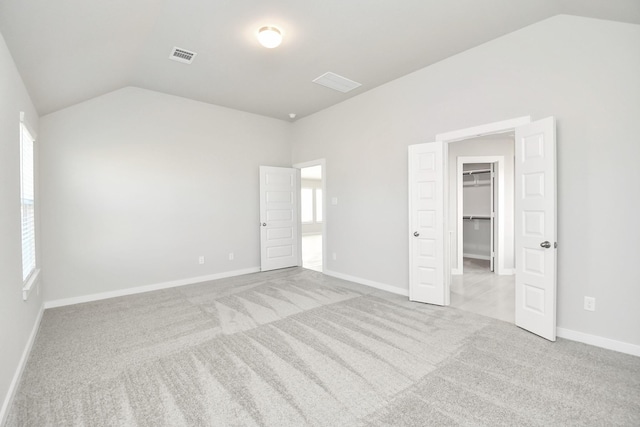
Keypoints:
pixel 480 291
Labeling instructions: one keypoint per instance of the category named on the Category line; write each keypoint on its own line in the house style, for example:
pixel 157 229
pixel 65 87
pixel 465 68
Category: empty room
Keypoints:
pixel 337 213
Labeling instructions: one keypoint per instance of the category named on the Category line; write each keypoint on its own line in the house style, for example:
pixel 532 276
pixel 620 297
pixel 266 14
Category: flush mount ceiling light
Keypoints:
pixel 270 36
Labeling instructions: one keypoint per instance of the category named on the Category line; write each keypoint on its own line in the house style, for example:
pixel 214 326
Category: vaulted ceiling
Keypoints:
pixel 70 51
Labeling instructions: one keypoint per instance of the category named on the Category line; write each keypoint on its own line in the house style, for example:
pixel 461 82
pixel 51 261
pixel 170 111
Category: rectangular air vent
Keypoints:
pixel 336 82
pixel 182 55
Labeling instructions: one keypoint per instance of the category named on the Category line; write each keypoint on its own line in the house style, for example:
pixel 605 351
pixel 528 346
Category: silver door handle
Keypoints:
pixel 264 224
pixel 545 244
pixel 416 234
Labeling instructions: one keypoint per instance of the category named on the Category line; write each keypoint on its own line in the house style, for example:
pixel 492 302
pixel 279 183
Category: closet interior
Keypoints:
pixel 478 212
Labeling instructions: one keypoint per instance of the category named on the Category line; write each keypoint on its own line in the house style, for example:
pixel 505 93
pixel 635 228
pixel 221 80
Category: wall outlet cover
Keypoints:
pixel 590 303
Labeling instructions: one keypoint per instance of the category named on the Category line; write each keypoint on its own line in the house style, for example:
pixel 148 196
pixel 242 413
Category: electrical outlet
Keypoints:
pixel 334 256
pixel 231 256
pixel 201 259
pixel 590 303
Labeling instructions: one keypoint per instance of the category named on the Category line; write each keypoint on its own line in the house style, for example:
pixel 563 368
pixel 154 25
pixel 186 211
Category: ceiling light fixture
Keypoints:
pixel 270 36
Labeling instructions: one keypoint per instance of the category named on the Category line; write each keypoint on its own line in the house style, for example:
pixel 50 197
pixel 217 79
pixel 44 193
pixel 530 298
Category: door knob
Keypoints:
pixel 545 244
pixel 416 234
pixel 264 224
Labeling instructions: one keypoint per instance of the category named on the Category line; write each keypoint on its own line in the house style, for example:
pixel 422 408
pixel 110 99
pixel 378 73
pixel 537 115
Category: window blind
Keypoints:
pixel 27 198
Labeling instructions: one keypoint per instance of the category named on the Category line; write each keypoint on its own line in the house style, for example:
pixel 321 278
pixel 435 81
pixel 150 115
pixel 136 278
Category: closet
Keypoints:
pixel 478 211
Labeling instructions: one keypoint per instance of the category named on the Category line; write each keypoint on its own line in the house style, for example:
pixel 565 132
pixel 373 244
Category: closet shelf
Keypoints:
pixel 480 177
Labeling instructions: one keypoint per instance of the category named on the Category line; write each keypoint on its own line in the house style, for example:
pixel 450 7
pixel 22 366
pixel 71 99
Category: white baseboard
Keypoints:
pixel 597 341
pixel 569 334
pixel 4 411
pixel 148 288
pixel 367 282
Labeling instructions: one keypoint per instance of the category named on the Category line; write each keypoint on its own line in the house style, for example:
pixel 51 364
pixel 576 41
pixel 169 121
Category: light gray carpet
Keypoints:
pixel 296 348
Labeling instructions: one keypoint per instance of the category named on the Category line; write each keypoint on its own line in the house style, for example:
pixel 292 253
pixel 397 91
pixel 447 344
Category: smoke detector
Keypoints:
pixel 182 55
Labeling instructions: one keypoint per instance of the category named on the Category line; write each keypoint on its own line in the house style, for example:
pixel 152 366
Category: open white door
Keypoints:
pixel 492 218
pixel 279 240
pixel 535 225
pixel 426 224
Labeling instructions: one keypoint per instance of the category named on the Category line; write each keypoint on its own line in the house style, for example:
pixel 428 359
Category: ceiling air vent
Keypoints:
pixel 336 82
pixel 182 55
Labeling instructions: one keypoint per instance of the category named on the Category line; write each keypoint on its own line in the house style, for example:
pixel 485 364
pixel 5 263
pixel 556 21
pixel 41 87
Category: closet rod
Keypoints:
pixel 473 172
pixel 476 217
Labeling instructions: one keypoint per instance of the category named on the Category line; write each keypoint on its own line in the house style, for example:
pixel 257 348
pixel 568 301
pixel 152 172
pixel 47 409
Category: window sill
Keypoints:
pixel 30 284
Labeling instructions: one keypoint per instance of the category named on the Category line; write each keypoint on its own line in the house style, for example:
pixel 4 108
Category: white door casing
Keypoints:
pixel 279 218
pixel 535 227
pixel 427 245
pixel 323 166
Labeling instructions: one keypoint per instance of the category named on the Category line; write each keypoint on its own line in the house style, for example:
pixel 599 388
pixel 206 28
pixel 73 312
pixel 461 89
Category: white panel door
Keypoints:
pixel 426 224
pixel 492 219
pixel 279 240
pixel 535 224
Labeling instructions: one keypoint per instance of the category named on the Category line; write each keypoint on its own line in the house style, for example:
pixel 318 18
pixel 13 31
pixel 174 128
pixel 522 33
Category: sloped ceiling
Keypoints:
pixel 73 50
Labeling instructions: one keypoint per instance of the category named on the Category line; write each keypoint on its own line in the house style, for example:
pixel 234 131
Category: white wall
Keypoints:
pixel 138 184
pixel 582 71
pixel 17 318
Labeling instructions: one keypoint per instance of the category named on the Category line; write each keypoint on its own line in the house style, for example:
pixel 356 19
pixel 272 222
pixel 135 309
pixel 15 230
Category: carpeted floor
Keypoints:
pixel 295 348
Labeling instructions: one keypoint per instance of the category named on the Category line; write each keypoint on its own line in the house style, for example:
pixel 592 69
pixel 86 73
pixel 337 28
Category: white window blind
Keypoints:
pixel 27 198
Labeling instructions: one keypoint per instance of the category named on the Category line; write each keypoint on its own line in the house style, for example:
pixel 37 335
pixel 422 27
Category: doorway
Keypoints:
pixel 312 215
pixel 481 207
pixel 431 239
pixel 476 211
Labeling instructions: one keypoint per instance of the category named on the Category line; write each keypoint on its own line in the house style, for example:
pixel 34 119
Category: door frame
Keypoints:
pixel 499 211
pixel 323 165
pixel 459 135
pixel 541 134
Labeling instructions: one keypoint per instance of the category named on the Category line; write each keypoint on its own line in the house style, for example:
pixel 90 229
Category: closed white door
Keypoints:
pixel 535 225
pixel 279 239
pixel 426 224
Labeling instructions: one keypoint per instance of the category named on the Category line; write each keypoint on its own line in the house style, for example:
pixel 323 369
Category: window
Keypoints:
pixel 318 204
pixel 306 200
pixel 27 202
